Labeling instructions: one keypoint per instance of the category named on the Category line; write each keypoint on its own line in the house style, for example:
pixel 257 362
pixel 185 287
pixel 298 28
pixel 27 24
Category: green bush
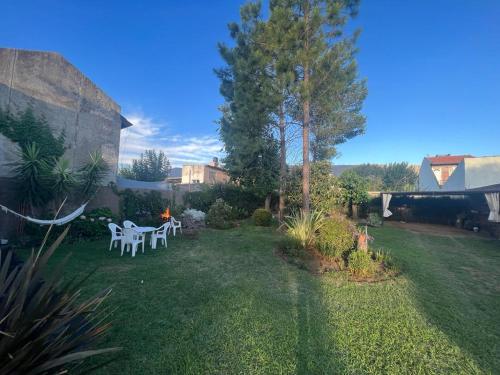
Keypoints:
pixel 243 201
pixel 92 225
pixel 336 237
pixel 143 208
pixel 303 227
pixel 361 264
pixel 325 191
pixel 220 215
pixel 262 217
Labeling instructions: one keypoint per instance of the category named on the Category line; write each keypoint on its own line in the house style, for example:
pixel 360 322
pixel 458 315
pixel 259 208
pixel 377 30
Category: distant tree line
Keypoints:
pixel 388 177
pixel 151 166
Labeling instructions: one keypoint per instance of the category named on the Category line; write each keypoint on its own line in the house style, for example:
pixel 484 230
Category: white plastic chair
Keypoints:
pixel 160 234
pixel 128 224
pixel 174 225
pixel 133 238
pixel 116 234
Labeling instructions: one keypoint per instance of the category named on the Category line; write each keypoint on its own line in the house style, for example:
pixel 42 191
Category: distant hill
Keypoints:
pixel 338 169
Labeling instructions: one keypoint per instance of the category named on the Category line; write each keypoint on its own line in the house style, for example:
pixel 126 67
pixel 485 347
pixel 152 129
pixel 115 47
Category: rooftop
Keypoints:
pixel 447 159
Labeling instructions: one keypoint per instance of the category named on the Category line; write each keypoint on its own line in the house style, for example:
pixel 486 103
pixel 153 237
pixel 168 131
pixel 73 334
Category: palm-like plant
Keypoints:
pixel 31 172
pixel 92 173
pixel 303 226
pixel 63 176
pixel 43 329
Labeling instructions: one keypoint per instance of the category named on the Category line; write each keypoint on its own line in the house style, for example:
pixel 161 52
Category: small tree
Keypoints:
pixel 151 166
pixel 354 189
pixel 399 177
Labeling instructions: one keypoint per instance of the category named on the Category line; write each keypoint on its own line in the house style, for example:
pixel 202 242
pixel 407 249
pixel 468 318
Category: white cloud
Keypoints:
pixel 147 133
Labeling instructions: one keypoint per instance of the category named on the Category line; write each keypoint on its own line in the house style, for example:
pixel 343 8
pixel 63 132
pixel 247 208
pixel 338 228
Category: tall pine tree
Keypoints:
pixel 328 93
pixel 245 127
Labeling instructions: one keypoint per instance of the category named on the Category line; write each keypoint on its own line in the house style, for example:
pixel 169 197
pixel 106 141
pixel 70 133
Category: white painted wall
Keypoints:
pixel 456 182
pixel 426 178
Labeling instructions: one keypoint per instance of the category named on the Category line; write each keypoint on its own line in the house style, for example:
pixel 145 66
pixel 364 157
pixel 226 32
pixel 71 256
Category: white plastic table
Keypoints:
pixel 145 230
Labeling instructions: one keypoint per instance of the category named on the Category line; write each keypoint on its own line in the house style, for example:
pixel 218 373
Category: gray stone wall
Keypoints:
pixel 68 100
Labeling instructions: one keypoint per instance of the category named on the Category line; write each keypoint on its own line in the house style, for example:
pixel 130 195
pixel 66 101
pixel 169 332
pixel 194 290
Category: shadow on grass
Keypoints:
pixel 316 352
pixel 457 286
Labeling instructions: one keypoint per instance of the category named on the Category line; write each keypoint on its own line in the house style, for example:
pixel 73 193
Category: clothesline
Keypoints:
pixel 66 219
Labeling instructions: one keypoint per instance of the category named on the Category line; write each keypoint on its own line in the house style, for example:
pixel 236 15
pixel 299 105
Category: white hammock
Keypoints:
pixel 66 219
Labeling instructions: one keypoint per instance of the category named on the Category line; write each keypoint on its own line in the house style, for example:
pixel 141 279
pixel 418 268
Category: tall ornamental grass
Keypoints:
pixel 303 226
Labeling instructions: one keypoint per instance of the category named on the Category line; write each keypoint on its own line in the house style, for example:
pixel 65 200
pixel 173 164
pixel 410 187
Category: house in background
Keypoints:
pixel 175 176
pixel 209 174
pixel 459 173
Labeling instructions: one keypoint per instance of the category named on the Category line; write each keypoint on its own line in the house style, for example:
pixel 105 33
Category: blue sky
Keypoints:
pixel 432 67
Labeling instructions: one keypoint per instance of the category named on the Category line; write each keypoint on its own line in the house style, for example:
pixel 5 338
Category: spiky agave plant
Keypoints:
pixel 92 173
pixel 44 328
pixel 303 226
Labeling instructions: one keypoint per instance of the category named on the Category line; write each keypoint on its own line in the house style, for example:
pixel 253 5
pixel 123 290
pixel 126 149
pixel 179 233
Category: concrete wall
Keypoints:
pixel 481 172
pixel 192 173
pixel 215 176
pixel 68 100
pixel 203 174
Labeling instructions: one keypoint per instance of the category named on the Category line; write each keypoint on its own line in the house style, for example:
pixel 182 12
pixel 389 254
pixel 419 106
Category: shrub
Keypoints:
pixel 195 215
pixel 43 329
pixel 243 201
pixel 142 208
pixel 303 227
pixel 361 264
pixel 220 215
pixel 326 194
pixel 336 237
pixel 92 225
pixel 354 188
pixel 262 217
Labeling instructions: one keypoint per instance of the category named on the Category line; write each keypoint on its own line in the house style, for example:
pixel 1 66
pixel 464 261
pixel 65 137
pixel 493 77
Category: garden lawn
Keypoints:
pixel 225 304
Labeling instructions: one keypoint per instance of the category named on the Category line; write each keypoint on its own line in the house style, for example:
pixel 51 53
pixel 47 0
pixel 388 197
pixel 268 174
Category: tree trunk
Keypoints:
pixel 282 191
pixel 306 168
pixel 267 203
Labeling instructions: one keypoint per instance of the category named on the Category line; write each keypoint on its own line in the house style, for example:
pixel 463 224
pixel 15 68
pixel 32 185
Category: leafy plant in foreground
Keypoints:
pixel 43 329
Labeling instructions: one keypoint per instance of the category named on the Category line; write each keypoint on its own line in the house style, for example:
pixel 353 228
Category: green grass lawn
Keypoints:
pixel 225 304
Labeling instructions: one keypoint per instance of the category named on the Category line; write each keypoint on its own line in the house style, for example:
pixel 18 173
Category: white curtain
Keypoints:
pixel 493 200
pixel 386 198
pixel 72 216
